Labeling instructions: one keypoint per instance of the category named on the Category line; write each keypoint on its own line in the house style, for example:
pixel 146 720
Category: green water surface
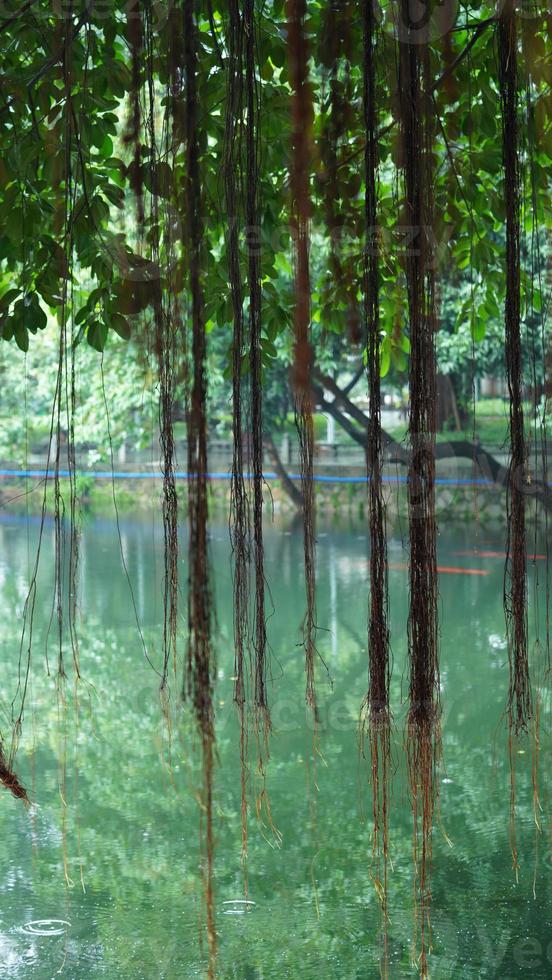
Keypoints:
pixel 127 838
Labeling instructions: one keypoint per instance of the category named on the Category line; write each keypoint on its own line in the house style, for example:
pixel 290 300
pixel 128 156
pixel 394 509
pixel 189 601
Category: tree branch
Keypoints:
pixel 479 30
pixel 57 58
pixel 395 453
pixel 354 380
pixel 289 486
pixel 489 467
pixel 19 13
pixel 340 395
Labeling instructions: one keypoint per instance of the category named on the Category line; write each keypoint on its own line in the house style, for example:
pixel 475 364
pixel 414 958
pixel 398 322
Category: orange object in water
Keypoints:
pixel 444 569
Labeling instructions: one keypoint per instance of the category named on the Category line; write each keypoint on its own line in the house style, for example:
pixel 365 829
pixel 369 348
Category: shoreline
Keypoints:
pixel 458 501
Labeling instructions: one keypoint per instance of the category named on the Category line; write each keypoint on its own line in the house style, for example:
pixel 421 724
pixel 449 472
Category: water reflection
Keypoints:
pixel 131 819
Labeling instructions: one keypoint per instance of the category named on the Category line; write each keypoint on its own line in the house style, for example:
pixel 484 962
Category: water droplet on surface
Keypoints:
pixel 238 906
pixel 45 927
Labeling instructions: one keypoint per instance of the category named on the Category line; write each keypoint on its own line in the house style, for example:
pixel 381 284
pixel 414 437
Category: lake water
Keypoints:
pixel 127 838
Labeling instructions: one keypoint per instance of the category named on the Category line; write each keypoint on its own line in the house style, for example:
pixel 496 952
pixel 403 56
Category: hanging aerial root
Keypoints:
pixel 376 713
pixel 423 755
pixel 200 656
pixel 244 780
pixel 239 503
pixel 239 508
pixel 515 582
pixel 252 211
pixel 301 102
pixel 164 347
pixel 423 725
pixel 306 450
pixel 375 728
pixel 208 745
pixel 541 657
pixel 515 571
pixel 423 730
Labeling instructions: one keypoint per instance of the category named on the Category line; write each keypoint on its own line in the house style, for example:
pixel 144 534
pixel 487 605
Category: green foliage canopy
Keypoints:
pixel 62 133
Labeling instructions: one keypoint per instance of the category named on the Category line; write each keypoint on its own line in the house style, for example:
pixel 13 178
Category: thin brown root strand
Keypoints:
pixel 423 754
pixel 512 821
pixel 535 775
pixel 207 747
pixel 379 735
pixel 264 814
pixel 244 778
pixel 262 799
pixel 301 115
pixel 253 95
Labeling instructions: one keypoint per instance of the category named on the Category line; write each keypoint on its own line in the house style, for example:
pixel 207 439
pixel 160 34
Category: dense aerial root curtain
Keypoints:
pixel 515 585
pixel 239 504
pixel 301 107
pixel 423 724
pixel 376 709
pixel 200 658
